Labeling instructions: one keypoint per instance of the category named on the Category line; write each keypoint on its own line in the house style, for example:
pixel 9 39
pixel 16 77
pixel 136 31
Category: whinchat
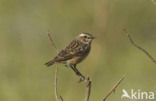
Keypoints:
pixel 74 53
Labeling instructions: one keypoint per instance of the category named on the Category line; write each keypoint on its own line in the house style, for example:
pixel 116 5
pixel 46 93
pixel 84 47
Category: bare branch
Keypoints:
pixel 139 47
pixel 61 98
pixel 113 88
pixel 89 82
pixel 52 42
pixel 56 71
pixel 55 84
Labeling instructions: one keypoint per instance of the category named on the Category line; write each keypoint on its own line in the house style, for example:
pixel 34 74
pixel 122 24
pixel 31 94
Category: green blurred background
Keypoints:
pixel 25 47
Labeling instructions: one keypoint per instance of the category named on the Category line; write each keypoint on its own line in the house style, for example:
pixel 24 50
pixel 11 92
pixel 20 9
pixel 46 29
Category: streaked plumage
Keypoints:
pixel 75 52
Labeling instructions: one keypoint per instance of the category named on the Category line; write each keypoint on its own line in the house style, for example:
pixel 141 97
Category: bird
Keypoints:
pixel 77 50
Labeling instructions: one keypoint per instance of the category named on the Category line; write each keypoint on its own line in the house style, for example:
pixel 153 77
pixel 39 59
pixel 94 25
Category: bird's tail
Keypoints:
pixel 50 63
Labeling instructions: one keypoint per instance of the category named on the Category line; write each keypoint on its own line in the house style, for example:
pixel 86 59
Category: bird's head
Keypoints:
pixel 85 38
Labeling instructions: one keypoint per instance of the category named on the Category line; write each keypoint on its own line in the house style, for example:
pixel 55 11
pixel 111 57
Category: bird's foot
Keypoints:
pixel 82 78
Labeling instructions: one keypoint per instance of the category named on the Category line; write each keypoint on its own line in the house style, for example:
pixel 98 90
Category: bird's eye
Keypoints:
pixel 85 36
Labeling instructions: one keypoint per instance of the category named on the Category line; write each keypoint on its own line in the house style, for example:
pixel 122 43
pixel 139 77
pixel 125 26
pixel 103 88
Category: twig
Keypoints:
pixel 113 89
pixel 139 47
pixel 55 84
pixel 56 71
pixel 89 82
pixel 52 42
pixel 61 98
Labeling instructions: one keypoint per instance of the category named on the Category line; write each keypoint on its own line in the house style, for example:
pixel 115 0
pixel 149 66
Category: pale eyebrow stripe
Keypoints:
pixel 82 34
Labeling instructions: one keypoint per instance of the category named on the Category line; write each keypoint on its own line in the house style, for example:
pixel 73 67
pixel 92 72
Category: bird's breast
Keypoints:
pixel 76 59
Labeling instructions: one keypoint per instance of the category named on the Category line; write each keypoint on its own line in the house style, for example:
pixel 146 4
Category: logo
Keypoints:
pixel 137 95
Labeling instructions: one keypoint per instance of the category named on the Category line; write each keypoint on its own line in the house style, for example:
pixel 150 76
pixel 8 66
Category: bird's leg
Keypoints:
pixel 82 78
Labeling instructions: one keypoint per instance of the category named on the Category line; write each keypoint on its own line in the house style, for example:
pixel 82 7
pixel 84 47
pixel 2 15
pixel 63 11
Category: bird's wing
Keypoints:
pixel 75 48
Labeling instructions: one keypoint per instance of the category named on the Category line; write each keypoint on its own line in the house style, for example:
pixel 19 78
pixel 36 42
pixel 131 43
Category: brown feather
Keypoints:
pixel 74 53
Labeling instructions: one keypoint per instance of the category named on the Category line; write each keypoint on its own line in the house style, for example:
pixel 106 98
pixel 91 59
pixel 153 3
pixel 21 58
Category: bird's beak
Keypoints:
pixel 93 37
